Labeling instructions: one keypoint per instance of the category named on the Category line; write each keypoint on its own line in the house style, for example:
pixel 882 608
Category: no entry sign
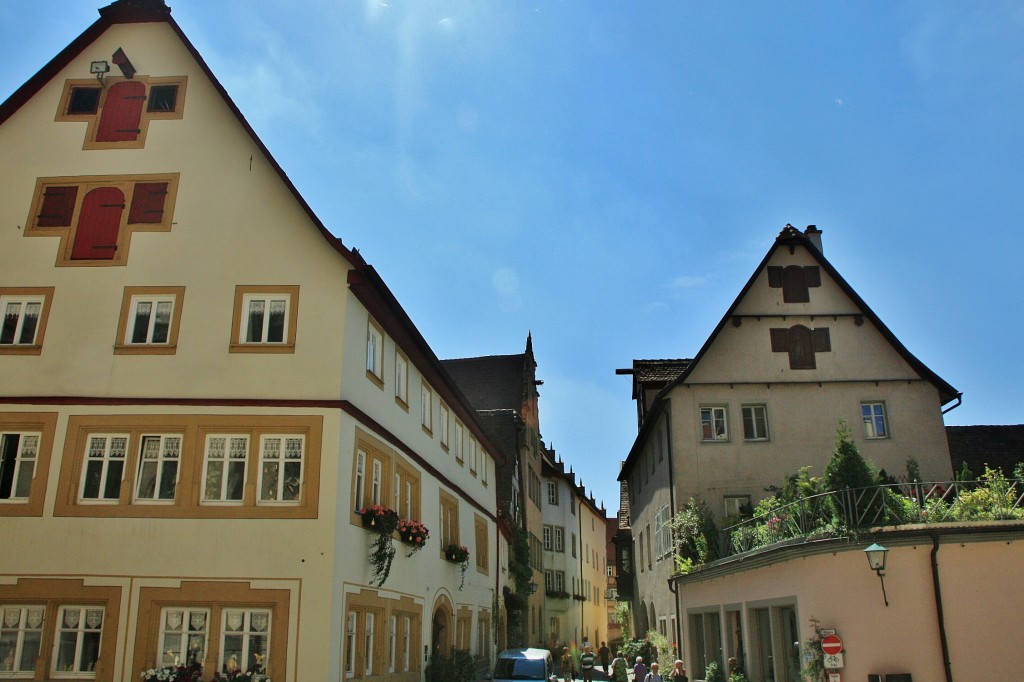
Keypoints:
pixel 831 645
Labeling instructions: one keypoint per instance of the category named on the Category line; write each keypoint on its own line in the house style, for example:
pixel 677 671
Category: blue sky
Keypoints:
pixel 608 174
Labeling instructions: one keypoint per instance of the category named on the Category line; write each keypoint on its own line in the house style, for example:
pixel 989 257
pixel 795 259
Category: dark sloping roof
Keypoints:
pixel 493 382
pixel 999 447
pixel 659 370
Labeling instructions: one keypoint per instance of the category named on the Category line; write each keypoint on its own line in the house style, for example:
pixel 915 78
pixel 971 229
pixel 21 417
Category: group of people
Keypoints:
pixel 618 668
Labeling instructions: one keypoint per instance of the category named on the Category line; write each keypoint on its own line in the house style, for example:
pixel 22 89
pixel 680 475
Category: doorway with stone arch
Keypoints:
pixel 442 626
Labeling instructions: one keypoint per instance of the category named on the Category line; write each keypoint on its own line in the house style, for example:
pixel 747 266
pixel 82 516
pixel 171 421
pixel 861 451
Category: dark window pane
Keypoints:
pixel 84 100
pixel 112 489
pixel 140 331
pixel 162 97
pixel 8 460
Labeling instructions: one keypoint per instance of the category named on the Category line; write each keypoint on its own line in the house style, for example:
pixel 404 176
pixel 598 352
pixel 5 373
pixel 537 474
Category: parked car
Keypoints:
pixel 524 664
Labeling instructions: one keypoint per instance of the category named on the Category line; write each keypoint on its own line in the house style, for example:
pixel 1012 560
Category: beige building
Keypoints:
pixel 953 602
pixel 200 390
pixel 796 353
pixel 575 562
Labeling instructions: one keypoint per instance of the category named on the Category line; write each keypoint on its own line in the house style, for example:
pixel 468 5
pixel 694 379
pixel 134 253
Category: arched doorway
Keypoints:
pixel 442 626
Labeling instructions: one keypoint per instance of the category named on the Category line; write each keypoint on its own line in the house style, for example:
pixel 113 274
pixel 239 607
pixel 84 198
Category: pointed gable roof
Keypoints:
pixel 157 11
pixel 791 238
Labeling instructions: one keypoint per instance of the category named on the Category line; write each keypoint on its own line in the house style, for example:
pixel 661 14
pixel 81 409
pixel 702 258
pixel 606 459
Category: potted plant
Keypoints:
pixel 413 533
pixel 174 673
pixel 458 554
pixel 383 522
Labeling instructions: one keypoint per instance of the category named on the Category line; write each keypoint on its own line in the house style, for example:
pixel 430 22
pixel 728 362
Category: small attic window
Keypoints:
pixel 84 100
pixel 163 98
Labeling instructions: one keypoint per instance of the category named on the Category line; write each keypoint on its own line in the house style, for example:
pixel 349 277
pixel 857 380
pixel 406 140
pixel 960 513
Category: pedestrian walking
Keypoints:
pixel 603 654
pixel 587 660
pixel 678 673
pixel 639 670
pixel 567 666
pixel 654 675
pixel 620 669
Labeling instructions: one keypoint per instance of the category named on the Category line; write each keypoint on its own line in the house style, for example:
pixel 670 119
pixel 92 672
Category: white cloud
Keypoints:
pixel 687 282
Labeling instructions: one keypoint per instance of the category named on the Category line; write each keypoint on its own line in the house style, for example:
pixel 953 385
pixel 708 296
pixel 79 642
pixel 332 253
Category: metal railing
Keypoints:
pixel 834 514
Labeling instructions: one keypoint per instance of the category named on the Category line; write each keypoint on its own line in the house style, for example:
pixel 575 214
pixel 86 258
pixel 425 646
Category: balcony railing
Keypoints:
pixel 834 514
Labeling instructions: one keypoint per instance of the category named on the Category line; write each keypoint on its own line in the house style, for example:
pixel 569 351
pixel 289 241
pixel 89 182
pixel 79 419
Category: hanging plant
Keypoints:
pixel 413 533
pixel 458 554
pixel 383 522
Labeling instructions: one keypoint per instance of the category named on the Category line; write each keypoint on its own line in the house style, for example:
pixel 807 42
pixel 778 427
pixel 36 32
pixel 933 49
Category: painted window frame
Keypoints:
pixel 276 485
pixel 82 626
pixel 229 462
pixel 168 453
pixel 375 353
pixel 444 420
pixel 752 433
pixel 30 625
pixel 875 413
pixel 189 502
pixel 245 294
pixel 481 549
pixel 710 418
pixel 189 631
pixel 449 521
pixel 24 296
pixel 133 296
pixel 246 632
pixel 427 408
pixel 401 380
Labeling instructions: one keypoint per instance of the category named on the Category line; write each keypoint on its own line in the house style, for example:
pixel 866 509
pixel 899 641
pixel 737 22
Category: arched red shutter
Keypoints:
pixel 122 112
pixel 98 225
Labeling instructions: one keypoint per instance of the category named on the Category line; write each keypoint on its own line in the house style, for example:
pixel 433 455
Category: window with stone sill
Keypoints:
pixel 25 312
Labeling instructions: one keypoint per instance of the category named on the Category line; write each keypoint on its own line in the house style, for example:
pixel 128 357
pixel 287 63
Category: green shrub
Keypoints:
pixel 695 534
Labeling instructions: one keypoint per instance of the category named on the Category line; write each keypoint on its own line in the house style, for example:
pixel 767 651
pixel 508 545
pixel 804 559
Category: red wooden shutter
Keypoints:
pixel 122 111
pixel 775 276
pixel 58 206
pixel 780 340
pixel 98 225
pixel 822 340
pixel 148 202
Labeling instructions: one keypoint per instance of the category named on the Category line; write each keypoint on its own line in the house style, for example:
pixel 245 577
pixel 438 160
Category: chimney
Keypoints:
pixel 814 235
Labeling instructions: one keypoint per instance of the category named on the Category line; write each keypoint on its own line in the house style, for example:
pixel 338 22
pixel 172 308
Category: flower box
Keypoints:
pixel 379 519
pixel 457 554
pixel 413 533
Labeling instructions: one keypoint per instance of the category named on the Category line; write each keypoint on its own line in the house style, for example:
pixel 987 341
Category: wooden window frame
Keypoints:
pixel 753 437
pixel 482 548
pixel 216 597
pixel 244 292
pixel 449 507
pixel 870 430
pixel 712 409
pixel 375 361
pixel 53 594
pixel 44 295
pixel 444 425
pixel 401 380
pixel 45 424
pixel 188 502
pixel 408 616
pixel 84 184
pixel 427 408
pixel 122 345
pixel 92 119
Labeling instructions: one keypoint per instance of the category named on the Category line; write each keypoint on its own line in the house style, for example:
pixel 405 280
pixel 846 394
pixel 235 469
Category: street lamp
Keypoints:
pixel 876 555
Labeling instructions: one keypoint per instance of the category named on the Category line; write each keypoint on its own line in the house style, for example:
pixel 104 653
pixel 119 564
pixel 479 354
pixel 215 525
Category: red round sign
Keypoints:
pixel 832 645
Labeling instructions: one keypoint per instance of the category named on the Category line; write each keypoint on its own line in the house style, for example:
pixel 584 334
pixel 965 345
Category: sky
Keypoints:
pixel 607 175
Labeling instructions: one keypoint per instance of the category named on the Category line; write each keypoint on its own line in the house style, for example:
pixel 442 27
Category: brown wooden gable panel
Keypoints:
pixel 58 207
pixel 775 276
pixel 148 203
pixel 812 275
pixel 821 340
pixel 780 340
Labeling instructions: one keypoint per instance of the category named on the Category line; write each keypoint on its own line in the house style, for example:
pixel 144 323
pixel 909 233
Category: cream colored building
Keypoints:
pixel 575 560
pixel 200 387
pixel 797 352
